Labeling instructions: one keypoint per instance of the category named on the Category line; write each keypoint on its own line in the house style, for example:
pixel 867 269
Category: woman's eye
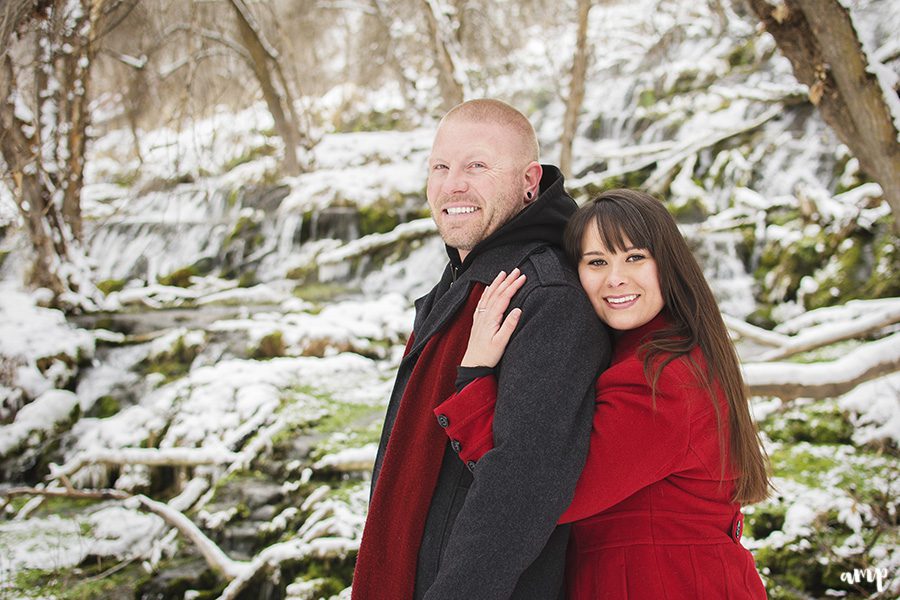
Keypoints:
pixel 635 257
pixel 597 262
pixel 438 167
pixel 478 165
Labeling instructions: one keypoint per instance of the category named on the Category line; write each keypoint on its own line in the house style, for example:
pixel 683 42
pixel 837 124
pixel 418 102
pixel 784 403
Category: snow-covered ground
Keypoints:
pixel 304 370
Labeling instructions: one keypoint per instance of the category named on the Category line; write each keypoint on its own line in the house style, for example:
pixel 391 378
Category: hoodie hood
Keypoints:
pixel 543 220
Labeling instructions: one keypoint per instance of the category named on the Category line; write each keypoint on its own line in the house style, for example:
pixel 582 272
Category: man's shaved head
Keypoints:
pixel 488 110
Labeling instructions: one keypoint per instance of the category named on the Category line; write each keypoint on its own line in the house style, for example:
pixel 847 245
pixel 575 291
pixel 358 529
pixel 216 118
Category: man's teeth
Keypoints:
pixel 461 210
pixel 622 299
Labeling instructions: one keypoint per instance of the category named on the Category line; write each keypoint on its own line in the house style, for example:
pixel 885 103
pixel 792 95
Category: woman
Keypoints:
pixel 674 452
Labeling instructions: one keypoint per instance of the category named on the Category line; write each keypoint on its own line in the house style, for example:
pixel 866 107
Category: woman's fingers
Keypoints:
pixel 499 287
pixel 506 330
pixel 490 331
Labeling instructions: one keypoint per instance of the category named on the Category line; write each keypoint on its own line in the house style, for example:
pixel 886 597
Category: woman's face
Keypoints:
pixel 623 286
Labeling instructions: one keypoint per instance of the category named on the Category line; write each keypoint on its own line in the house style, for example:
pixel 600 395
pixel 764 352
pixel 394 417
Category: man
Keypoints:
pixel 433 530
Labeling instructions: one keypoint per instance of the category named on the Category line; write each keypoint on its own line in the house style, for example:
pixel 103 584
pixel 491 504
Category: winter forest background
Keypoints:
pixel 213 226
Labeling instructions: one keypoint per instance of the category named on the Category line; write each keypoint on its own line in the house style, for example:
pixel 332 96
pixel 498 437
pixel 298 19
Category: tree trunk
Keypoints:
pixel 264 61
pixel 447 57
pixel 385 22
pixel 818 37
pixel 576 89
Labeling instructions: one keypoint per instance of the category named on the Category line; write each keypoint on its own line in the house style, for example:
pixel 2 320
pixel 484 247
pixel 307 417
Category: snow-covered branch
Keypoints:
pixel 825 379
pixel 154 457
pixel 754 333
pixel 824 335
pixel 217 560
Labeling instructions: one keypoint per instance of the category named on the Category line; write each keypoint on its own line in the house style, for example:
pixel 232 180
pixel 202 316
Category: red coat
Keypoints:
pixel 651 517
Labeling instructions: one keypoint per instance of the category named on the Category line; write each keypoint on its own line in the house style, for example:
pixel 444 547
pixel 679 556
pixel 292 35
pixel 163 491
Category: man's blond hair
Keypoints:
pixel 488 110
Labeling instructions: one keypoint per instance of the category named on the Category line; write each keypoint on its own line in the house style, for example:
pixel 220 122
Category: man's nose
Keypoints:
pixel 455 182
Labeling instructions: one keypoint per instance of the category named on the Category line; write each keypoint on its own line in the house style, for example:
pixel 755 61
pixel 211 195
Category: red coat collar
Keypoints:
pixel 627 343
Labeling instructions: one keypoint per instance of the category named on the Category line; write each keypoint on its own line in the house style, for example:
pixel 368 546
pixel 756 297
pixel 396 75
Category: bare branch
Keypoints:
pixel 217 560
pixel 824 379
pixel 155 457
pixel 65 492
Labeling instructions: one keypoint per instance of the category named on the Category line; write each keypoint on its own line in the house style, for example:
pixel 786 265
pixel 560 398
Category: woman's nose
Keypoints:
pixel 616 277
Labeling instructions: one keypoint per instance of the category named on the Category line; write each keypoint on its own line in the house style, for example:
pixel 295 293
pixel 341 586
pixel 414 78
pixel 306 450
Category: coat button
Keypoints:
pixel 456 446
pixel 443 421
pixel 471 465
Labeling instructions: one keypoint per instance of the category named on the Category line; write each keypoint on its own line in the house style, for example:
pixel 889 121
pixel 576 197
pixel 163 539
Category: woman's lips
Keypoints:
pixel 623 301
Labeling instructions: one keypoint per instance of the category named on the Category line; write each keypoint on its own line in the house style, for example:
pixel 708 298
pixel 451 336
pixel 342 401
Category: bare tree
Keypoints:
pixel 265 64
pixel 819 39
pixel 48 49
pixel 447 52
pixel 576 88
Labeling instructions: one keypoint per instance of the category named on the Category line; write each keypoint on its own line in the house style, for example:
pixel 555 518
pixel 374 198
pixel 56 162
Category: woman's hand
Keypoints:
pixel 489 336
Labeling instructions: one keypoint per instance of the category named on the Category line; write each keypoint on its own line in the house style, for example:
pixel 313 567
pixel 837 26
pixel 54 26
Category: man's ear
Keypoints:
pixel 533 174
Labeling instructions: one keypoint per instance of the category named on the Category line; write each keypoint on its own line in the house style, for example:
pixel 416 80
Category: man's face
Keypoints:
pixel 476 181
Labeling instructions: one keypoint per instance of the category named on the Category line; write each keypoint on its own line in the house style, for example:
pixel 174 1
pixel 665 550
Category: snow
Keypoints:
pixel 349 459
pixel 40 416
pixel 876 408
pixel 226 406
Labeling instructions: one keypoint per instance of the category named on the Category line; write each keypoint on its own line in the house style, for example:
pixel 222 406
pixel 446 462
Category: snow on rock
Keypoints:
pixel 39 350
pixel 214 408
pixel 349 459
pixel 37 419
pixel 258 294
pixel 875 406
pixel 364 167
pixel 358 325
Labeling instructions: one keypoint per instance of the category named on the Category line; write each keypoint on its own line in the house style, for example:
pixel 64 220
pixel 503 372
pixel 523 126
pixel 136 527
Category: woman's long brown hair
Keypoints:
pixel 694 320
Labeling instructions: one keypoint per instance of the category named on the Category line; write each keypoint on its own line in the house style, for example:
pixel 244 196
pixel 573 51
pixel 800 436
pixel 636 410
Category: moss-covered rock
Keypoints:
pixel 108 286
pixel 270 346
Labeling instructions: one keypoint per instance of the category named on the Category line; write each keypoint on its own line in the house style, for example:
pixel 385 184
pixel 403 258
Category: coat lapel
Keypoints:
pixel 435 309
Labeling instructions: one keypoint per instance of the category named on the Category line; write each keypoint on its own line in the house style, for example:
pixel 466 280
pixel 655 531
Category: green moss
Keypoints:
pixel 179 278
pixel 632 179
pixel 173 363
pixel 823 425
pixel 108 286
pixel 270 346
pixel 319 292
pixel 246 227
pixel 685 82
pixel 375 120
pixel 595 129
pixel 884 279
pixel 378 217
pixel 247 279
pixel 250 155
pixel 647 98
pixel 802 464
pixel 743 54
pixel 232 198
pixel 764 519
pixel 691 211
pixel 127 178
pixel 105 406
pixel 64 507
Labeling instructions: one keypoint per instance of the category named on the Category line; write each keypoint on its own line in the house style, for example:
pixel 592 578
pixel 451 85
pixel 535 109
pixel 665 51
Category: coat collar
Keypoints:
pixel 438 306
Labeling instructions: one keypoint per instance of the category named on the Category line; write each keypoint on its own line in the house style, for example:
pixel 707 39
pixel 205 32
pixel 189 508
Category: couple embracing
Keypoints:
pixel 569 418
